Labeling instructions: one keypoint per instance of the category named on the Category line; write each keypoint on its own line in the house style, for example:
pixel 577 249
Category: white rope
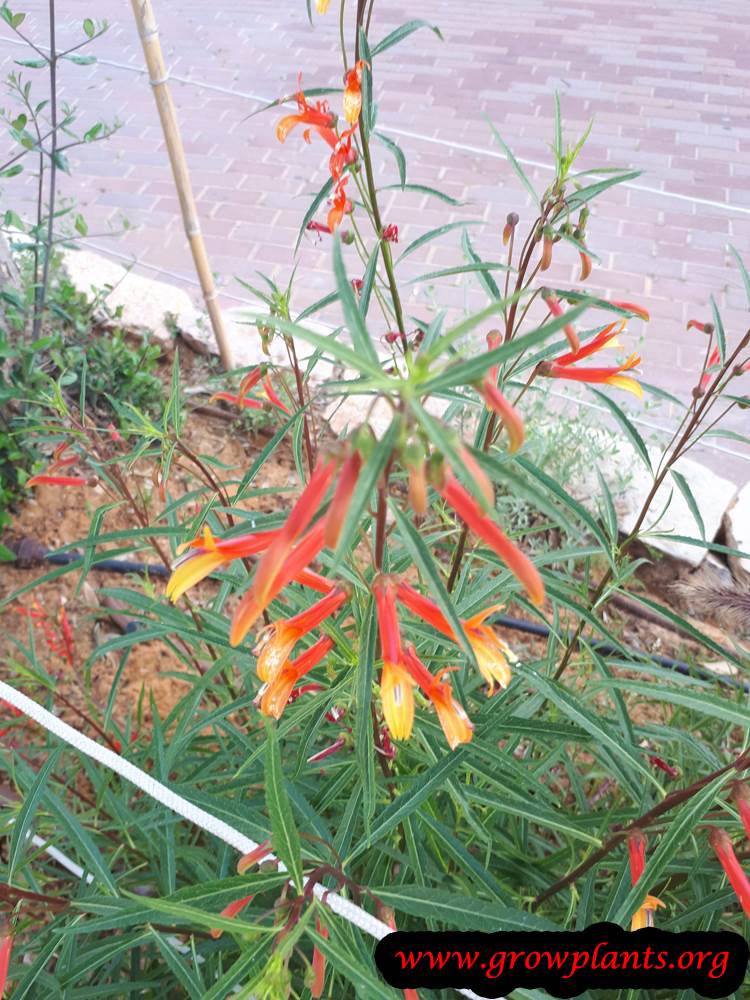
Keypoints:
pixel 194 814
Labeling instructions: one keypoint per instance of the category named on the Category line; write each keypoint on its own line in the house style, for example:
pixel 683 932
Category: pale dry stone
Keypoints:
pixel 138 304
pixel 737 530
pixel 630 482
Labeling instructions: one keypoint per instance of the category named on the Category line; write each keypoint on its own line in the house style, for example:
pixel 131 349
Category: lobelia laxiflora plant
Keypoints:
pixel 353 705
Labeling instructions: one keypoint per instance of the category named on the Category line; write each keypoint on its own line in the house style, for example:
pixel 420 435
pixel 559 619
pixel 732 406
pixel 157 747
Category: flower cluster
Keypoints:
pixel 565 366
pixel 284 557
pixel 319 118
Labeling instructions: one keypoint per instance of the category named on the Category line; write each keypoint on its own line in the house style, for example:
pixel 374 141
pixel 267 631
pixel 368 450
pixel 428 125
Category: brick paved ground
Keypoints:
pixel 668 84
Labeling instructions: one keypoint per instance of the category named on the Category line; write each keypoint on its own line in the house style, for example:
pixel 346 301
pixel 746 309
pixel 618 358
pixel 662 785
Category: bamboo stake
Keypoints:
pixel 158 76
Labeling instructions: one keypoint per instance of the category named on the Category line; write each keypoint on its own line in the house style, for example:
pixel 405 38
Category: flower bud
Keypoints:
pixel 510 224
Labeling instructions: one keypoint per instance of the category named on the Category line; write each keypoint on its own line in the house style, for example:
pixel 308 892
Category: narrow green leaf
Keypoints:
pixel 578 198
pixel 485 277
pixel 284 834
pixel 403 32
pixel 627 426
pixel 689 500
pixel 398 154
pixel 516 165
pixel 465 913
pixel 721 337
pixel 22 825
pixel 368 280
pixel 315 204
pixel 363 723
pixel 433 234
pixel 743 271
pixel 423 189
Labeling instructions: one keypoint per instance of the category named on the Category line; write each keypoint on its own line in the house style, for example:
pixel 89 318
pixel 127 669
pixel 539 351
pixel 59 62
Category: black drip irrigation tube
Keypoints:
pixel 515 624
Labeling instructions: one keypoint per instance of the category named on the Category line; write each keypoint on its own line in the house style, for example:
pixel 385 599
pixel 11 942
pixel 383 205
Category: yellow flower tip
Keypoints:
pixel 321 6
pixel 397 698
pixel 454 721
pixel 190 571
pixel 644 915
pixel 626 383
pixel 494 657
pixel 273 649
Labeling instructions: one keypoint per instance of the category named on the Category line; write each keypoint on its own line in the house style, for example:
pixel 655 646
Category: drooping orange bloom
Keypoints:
pixel 59 461
pixel 553 304
pixel 633 308
pixel 478 475
pixel 508 414
pixel 494 657
pixel 469 510
pixel 396 686
pixel 317 117
pixel 207 553
pixel 299 518
pixel 340 206
pixel 254 602
pixel 605 338
pixel 708 374
pixel 276 642
pixel 6 946
pixel 494 340
pixel 722 847
pixel 271 395
pixel 237 400
pixel 342 497
pixel 342 155
pixel 319 959
pixel 644 915
pixel 231 910
pixel 254 857
pixel 608 376
pixel 742 801
pixel 274 696
pixel 585 265
pixel 453 719
pixel 694 324
pixel 353 92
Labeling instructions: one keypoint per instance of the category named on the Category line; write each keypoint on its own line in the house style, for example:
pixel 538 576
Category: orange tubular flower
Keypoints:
pixel 316 117
pixel 585 265
pixel 353 92
pixel 319 959
pixel 708 374
pixel 341 205
pixel 241 400
pixel 469 510
pixel 494 340
pixel 722 846
pixel 342 498
pixel 508 414
pixel 231 910
pixel 693 324
pixel 299 517
pixel 454 721
pixel 607 376
pixel 252 605
pixel 254 857
pixel 6 946
pixel 742 801
pixel 494 657
pixel 45 479
pixel 50 477
pixel 206 554
pixel 274 696
pixel 271 396
pixel 418 488
pixel 342 155
pixel 633 308
pixel 553 304
pixel 277 641
pixel 547 245
pixel 396 692
pixel 644 915
pixel 605 338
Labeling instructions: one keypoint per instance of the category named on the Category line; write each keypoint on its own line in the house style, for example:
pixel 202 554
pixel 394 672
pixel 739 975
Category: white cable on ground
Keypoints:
pixel 194 814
